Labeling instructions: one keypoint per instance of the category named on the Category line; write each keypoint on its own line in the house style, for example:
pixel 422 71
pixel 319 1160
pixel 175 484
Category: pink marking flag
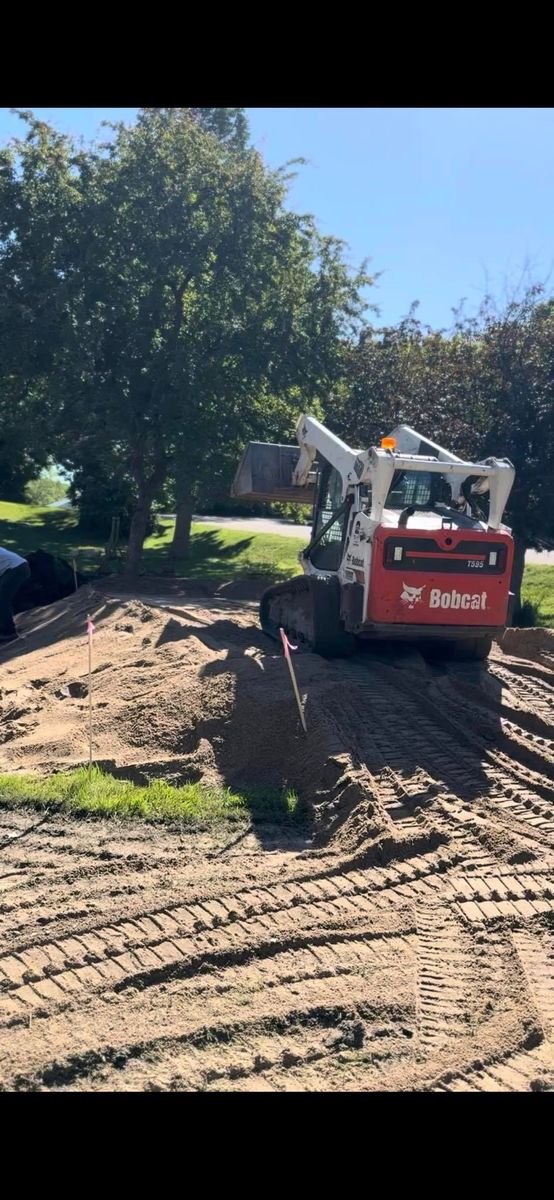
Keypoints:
pixel 90 631
pixel 287 647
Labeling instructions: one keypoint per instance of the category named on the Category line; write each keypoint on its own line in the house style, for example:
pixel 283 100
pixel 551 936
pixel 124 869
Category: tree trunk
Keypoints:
pixel 147 486
pixel 184 502
pixel 517 573
pixel 180 545
pixel 137 534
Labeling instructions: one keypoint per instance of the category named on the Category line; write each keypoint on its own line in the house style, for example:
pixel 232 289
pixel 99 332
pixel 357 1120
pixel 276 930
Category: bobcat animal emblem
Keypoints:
pixel 411 595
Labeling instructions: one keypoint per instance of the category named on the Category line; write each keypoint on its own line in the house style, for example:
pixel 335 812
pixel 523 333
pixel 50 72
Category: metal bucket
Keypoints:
pixel 265 473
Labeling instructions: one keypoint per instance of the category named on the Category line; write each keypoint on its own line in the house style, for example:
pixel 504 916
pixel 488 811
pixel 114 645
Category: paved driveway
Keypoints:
pixel 258 525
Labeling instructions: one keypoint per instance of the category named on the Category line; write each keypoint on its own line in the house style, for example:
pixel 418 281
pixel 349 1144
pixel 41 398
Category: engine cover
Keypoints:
pixel 440 577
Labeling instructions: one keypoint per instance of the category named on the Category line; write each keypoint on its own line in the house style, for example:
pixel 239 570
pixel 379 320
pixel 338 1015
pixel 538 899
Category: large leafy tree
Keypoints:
pixel 411 374
pixel 191 309
pixel 516 357
pixel 37 195
pixel 484 388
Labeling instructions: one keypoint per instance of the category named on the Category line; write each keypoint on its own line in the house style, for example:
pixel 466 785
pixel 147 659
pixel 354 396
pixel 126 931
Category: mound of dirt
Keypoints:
pixel 191 690
pixel 535 644
pixel 249 588
pixel 184 693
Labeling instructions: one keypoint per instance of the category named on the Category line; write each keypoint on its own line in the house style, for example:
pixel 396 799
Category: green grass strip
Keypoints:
pixel 97 793
pixel 538 590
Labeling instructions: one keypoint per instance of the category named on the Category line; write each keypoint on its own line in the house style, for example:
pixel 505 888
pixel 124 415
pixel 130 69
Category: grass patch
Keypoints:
pixel 99 794
pixel 214 553
pixel 227 553
pixel 27 527
pixel 538 590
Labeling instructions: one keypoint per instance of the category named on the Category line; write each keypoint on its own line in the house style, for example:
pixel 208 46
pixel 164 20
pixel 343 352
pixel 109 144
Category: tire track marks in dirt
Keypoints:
pixel 474 771
pixel 205 1012
pixel 151 949
pixel 410 947
pixel 331 895
pixel 536 952
pixel 526 1071
pixel 447 977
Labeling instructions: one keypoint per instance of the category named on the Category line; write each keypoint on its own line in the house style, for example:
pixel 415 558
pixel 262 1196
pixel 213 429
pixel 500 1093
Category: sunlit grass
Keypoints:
pixel 214 553
pixel 228 553
pixel 95 792
pixel 538 590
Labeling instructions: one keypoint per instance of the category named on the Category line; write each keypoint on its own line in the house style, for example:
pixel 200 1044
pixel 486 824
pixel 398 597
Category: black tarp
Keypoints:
pixel 51 579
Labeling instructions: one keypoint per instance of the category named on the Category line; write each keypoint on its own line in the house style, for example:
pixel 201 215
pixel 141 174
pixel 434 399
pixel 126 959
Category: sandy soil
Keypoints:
pixel 405 942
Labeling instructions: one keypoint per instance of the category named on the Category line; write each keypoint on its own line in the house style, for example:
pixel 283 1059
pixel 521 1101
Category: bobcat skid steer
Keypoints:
pixel 399 547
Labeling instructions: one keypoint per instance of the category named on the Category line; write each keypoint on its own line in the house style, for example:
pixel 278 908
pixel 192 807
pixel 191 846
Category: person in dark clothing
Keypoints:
pixel 14 571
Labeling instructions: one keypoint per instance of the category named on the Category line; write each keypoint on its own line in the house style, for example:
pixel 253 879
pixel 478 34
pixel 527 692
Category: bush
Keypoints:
pixel 297 513
pixel 45 490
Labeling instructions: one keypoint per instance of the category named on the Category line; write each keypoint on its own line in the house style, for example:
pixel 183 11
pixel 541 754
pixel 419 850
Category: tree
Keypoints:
pixel 485 388
pixel 192 309
pixel 102 489
pixel 37 195
pixel 281 353
pixel 516 351
pixel 411 374
pixel 230 125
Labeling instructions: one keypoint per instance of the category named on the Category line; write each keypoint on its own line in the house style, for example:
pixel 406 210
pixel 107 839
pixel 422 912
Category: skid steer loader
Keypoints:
pixel 399 549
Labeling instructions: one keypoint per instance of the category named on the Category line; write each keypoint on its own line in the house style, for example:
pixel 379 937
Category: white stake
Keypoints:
pixel 287 648
pixel 90 631
pixel 75 574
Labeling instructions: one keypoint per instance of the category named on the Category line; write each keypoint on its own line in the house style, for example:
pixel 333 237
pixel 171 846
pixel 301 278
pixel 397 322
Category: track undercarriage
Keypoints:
pixel 308 609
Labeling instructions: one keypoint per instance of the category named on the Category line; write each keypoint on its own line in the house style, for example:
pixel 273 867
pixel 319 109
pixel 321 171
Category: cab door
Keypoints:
pixel 327 554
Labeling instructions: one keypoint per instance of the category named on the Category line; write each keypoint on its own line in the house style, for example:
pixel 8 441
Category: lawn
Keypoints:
pixel 215 553
pixel 538 590
pixel 227 553
pixel 95 793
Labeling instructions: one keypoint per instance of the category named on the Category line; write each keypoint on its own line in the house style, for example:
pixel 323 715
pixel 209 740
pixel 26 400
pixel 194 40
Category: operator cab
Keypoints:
pixel 424 491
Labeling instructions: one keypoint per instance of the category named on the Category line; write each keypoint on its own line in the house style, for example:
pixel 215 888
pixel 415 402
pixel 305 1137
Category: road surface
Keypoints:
pixel 257 525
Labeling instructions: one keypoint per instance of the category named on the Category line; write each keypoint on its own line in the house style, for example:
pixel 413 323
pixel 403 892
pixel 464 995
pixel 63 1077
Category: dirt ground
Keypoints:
pixel 403 940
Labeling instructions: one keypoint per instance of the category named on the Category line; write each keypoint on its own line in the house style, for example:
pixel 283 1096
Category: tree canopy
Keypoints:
pixel 182 307
pixel 160 305
pixel 484 388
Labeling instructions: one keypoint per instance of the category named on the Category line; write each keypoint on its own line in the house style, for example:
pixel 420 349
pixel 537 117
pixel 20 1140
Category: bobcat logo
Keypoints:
pixel 411 595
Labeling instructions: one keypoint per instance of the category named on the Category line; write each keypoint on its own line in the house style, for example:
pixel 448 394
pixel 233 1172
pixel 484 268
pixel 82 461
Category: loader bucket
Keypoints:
pixel 265 473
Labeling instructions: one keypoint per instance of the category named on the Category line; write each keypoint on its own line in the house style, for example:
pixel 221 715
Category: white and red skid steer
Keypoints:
pixel 400 547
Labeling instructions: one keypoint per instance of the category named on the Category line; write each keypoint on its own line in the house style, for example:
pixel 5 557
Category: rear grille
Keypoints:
pixel 423 554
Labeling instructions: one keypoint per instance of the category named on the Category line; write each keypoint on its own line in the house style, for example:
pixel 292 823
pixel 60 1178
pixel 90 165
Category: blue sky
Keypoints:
pixel 446 203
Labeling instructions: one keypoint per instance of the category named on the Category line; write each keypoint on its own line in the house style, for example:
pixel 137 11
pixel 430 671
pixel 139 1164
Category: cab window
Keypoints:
pixel 327 554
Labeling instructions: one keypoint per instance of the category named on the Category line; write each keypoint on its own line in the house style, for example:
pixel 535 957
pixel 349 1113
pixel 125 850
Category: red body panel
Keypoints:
pixel 419 589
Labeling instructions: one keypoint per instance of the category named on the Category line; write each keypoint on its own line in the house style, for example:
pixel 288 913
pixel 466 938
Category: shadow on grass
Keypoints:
pixel 218 554
pixel 54 531
pixel 204 547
